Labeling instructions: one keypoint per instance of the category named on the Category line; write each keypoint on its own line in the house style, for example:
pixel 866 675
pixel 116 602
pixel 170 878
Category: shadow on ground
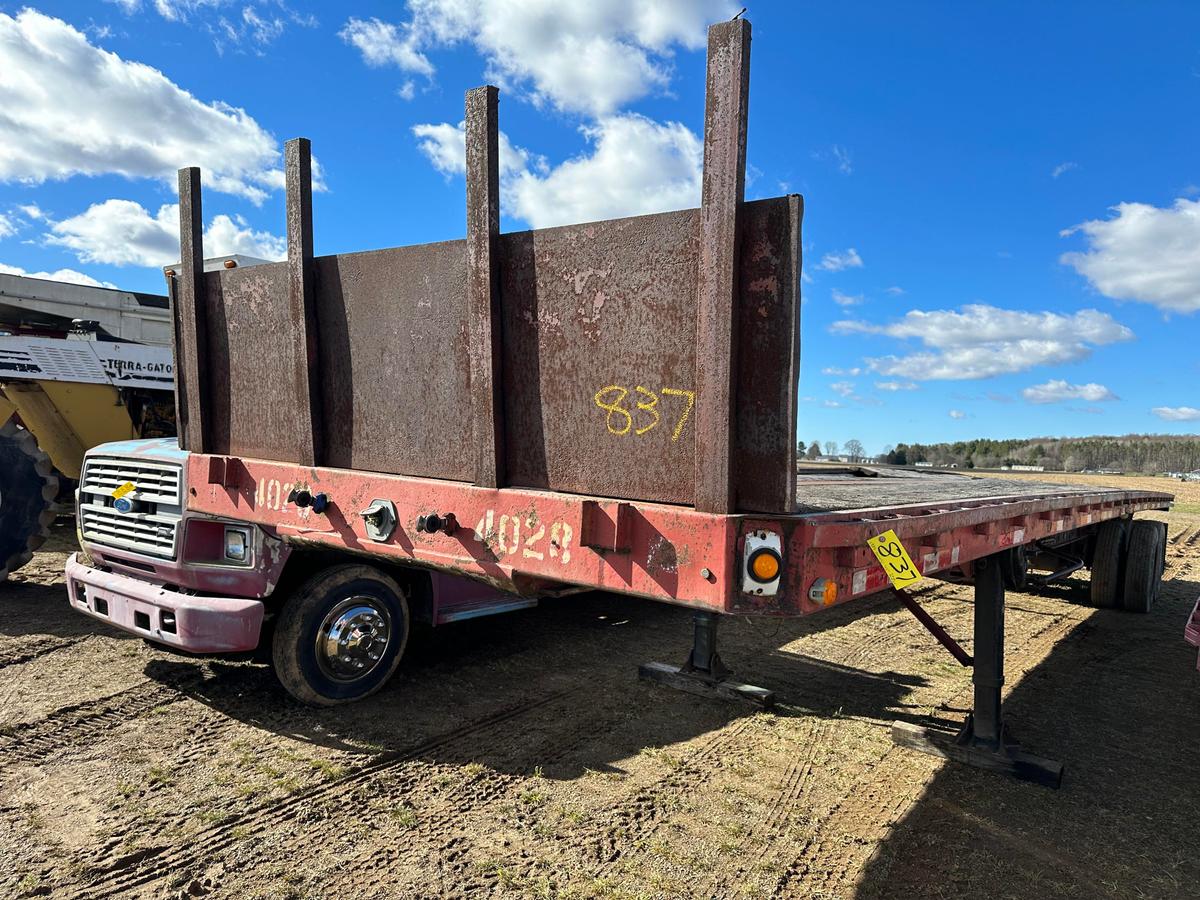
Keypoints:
pixel 1118 701
pixel 564 670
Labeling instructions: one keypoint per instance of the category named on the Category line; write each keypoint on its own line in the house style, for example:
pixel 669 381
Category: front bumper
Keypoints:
pixel 193 622
pixel 1191 631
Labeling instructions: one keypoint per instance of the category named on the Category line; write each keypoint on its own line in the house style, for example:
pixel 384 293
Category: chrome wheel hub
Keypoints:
pixel 353 638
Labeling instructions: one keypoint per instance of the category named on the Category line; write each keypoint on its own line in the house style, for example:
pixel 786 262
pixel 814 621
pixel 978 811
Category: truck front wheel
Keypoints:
pixel 340 636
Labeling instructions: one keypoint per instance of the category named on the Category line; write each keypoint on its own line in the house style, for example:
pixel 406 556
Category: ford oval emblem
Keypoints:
pixel 122 504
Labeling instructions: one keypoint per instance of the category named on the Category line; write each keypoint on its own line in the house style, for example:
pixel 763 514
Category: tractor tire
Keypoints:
pixel 1144 565
pixel 340 636
pixel 1108 564
pixel 28 488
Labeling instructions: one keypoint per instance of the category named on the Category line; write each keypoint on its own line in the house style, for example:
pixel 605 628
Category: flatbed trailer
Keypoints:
pixel 609 406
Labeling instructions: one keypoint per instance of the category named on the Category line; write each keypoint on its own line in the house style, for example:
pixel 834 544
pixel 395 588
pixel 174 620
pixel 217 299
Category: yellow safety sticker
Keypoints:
pixel 127 488
pixel 894 559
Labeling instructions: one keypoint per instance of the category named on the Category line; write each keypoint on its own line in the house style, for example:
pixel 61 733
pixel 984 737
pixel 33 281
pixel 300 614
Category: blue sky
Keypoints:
pixel 1002 228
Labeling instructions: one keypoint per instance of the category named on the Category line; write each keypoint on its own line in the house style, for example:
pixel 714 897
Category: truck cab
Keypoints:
pixel 333 628
pixel 151 568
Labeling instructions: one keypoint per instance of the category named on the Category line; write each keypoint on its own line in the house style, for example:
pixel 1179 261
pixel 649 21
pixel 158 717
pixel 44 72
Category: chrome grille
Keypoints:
pixel 151 525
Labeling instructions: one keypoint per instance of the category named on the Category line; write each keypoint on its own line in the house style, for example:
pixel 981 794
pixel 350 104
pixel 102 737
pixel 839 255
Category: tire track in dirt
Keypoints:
pixel 441 815
pixel 69 726
pixel 632 822
pixel 121 877
pixel 858 822
pixel 796 784
pixel 15 656
pixel 635 821
pixel 798 776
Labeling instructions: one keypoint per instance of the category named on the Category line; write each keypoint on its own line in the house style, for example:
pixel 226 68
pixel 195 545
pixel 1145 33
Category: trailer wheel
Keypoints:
pixel 1014 567
pixel 1108 564
pixel 340 636
pixel 28 488
pixel 1144 564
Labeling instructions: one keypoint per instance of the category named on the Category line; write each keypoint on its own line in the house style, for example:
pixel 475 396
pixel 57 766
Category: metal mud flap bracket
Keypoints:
pixel 380 519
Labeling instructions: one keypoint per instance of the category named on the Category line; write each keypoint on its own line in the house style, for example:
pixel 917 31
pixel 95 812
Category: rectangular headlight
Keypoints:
pixel 237 542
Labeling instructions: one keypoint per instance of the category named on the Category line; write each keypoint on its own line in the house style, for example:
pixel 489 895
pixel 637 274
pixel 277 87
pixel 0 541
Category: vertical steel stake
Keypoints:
pixel 727 92
pixel 302 312
pixel 483 292
pixel 191 333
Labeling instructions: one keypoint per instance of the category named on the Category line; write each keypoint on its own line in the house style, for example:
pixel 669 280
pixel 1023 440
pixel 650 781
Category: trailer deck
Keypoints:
pixel 817 492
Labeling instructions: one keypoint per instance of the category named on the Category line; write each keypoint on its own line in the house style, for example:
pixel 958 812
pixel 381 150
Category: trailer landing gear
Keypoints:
pixel 704 673
pixel 984 740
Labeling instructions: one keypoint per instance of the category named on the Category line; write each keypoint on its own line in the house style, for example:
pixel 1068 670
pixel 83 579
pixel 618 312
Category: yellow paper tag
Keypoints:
pixel 127 488
pixel 894 559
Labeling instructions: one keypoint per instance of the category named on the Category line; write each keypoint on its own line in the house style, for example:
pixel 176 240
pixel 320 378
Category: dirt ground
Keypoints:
pixel 520 756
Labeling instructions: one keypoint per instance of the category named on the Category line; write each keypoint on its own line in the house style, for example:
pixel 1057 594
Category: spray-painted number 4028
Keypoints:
pixel 645 415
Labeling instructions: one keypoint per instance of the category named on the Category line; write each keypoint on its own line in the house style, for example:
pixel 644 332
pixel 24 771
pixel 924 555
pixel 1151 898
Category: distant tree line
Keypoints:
pixel 1145 453
pixel 853 450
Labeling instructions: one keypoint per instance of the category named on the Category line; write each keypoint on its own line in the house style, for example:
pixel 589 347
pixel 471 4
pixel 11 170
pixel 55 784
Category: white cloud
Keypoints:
pixel 407 91
pixel 70 108
pixel 260 29
pixel 1056 390
pixel 259 23
pixel 635 166
pixel 842 156
pixel 124 233
pixel 896 385
pixel 68 275
pixel 384 44
pixel 1063 168
pixel 843 388
pixel 981 341
pixel 834 370
pixel 446 147
pixel 7 228
pixel 957 414
pixel 32 211
pixel 1177 413
pixel 836 262
pixel 846 299
pixel 1144 253
pixel 833 404
pixel 895 289
pixel 592 57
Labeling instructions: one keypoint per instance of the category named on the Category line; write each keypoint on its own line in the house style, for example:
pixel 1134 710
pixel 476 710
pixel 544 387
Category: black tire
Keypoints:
pixel 1108 564
pixel 1014 566
pixel 1144 564
pixel 28 488
pixel 330 599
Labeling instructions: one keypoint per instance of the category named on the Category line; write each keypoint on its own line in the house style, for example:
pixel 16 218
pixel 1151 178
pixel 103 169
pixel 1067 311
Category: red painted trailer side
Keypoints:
pixel 526 541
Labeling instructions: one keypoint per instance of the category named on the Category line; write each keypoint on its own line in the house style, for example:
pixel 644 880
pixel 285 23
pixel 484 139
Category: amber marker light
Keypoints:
pixel 764 565
pixel 823 591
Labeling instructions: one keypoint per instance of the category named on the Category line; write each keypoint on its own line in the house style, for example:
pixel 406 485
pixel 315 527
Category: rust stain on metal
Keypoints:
pixel 393 351
pixel 727 92
pixel 483 297
pixel 301 338
pixel 645 358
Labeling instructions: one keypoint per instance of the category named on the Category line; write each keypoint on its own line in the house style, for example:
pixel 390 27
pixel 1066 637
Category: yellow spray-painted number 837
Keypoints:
pixel 620 420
